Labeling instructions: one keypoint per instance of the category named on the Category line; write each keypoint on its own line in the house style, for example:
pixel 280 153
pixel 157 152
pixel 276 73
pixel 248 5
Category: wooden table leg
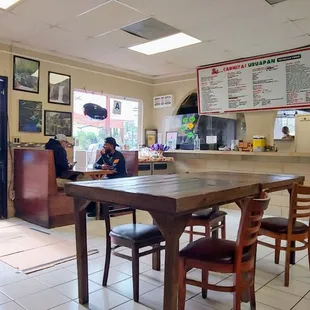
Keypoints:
pixel 215 233
pixel 81 248
pixel 172 228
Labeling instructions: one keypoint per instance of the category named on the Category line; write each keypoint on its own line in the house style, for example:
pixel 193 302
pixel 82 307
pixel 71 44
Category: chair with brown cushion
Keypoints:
pixel 135 237
pixel 225 256
pixel 290 230
pixel 212 221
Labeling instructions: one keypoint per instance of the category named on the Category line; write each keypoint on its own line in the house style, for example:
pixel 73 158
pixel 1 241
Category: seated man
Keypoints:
pixel 58 145
pixel 111 159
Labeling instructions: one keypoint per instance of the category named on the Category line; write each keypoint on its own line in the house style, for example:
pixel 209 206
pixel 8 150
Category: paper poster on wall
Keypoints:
pixel 274 81
pixel 163 101
pixel 117 107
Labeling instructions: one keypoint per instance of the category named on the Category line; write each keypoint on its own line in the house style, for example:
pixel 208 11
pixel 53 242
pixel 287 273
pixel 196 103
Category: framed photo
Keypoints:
pixel 171 139
pixel 26 74
pixel 150 137
pixel 59 88
pixel 30 116
pixel 56 122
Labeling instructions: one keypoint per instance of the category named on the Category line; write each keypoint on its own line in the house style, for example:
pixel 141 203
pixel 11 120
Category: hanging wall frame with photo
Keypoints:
pixel 26 74
pixel 56 122
pixel 30 116
pixel 59 88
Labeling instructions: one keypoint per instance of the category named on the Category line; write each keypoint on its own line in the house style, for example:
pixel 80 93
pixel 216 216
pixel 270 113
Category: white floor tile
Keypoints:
pixel 70 289
pixel 126 288
pixel 303 305
pixel 300 273
pixel 105 299
pixel 115 276
pixel 131 305
pixel 43 300
pixel 11 306
pixel 57 277
pixel 295 287
pixel 23 288
pixel 4 299
pixel 153 299
pixel 71 305
pixel 276 299
pixel 194 305
pixel 216 300
pixel 153 277
pixel 127 268
pixel 11 276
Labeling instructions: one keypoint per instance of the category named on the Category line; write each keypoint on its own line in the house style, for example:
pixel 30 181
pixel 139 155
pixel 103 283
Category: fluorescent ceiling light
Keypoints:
pixel 165 44
pixel 5 4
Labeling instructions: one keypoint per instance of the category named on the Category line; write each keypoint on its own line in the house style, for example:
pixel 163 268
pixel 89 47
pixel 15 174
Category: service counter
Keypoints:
pixel 255 162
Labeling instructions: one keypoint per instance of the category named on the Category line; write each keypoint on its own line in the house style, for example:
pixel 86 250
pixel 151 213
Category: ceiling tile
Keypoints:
pixel 303 24
pixel 294 9
pixel 15 28
pixel 119 38
pixel 54 39
pixel 105 18
pixel 54 11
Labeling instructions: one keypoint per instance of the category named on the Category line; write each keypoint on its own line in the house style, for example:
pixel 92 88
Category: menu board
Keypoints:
pixel 273 81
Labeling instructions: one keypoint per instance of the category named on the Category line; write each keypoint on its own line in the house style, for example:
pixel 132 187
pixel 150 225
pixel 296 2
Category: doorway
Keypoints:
pixel 3 146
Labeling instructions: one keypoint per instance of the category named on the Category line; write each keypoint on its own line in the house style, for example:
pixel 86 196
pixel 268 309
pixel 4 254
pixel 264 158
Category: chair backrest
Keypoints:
pixel 252 211
pixel 299 206
pixel 132 162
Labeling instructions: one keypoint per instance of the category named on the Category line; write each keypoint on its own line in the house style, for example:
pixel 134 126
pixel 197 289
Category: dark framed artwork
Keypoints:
pixel 150 137
pixel 56 122
pixel 30 116
pixel 26 74
pixel 59 88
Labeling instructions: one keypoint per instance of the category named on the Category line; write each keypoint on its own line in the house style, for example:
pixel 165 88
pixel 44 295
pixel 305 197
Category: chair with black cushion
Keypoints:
pixel 290 230
pixel 226 256
pixel 212 221
pixel 135 237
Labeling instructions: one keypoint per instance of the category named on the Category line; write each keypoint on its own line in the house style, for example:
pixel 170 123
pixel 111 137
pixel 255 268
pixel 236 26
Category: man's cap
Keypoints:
pixel 111 140
pixel 61 137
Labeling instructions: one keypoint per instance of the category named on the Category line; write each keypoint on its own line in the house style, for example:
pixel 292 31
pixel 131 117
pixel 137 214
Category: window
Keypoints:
pixel 124 126
pixel 286 118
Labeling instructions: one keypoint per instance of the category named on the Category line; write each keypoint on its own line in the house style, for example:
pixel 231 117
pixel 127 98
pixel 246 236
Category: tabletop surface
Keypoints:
pixel 91 170
pixel 179 193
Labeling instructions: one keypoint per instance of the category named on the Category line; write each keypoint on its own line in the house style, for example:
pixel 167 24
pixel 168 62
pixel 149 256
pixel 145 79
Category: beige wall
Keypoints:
pixel 83 76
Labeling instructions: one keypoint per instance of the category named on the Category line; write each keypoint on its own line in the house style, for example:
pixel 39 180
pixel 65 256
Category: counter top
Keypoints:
pixel 203 152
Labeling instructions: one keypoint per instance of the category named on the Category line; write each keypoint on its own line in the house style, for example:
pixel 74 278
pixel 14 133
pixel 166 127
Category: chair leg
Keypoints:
pixel 182 285
pixel 135 273
pixel 191 233
pixel 238 292
pixel 252 291
pixel 156 258
pixel 106 216
pixel 223 228
pixel 134 216
pixel 309 248
pixel 205 281
pixel 287 264
pixel 277 251
pixel 207 230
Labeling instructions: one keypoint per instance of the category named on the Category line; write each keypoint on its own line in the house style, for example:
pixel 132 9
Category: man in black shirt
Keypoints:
pixel 112 159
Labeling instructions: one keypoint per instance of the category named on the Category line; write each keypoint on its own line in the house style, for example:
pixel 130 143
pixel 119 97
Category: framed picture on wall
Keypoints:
pixel 59 88
pixel 30 116
pixel 171 139
pixel 56 122
pixel 150 136
pixel 26 74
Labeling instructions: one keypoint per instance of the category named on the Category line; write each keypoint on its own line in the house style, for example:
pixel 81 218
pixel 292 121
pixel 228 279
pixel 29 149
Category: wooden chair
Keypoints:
pixel 290 229
pixel 225 256
pixel 135 237
pixel 211 220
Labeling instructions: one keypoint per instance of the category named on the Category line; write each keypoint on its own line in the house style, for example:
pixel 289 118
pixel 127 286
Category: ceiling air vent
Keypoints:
pixel 150 29
pixel 272 2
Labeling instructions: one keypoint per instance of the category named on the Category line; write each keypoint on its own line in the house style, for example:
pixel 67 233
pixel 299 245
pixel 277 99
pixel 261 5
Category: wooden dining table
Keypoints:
pixel 170 199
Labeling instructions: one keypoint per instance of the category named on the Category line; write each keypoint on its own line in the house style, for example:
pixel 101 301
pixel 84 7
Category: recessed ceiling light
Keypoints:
pixel 5 4
pixel 165 44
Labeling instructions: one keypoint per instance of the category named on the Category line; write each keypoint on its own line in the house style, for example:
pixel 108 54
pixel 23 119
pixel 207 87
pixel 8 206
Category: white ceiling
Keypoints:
pixel 89 29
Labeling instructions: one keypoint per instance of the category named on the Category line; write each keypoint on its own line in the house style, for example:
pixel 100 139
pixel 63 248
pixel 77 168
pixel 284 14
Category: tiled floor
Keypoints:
pixel 56 288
